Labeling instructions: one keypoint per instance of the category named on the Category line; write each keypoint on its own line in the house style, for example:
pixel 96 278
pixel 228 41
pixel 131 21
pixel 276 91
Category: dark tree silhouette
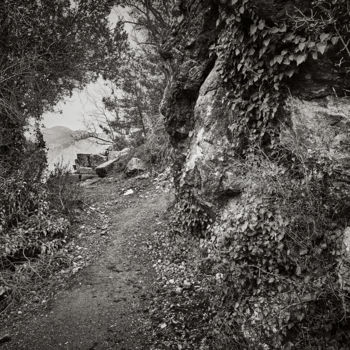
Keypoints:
pixel 47 48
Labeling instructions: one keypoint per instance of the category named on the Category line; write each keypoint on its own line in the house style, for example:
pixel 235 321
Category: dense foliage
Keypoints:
pixel 152 19
pixel 260 55
pixel 135 98
pixel 274 251
pixel 133 105
pixel 47 49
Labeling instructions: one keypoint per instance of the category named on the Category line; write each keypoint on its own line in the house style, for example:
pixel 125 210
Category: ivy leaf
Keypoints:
pixel 307 279
pixel 253 29
pixel 292 57
pixel 297 40
pixel 289 37
pixel 301 46
pixel 261 52
pixel 321 48
pixel 251 52
pixel 250 107
pixel 244 226
pixel 241 10
pixel 283 29
pixel 335 40
pixel 303 252
pixel 261 24
pixel 279 59
pixel 314 55
pixel 301 58
pixel 266 42
pixel 233 2
pixel 274 30
pixel 324 37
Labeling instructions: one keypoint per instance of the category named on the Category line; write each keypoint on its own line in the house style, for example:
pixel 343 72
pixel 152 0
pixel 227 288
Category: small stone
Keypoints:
pixel 135 166
pixel 128 192
pixel 75 270
pixel 187 284
pixel 178 290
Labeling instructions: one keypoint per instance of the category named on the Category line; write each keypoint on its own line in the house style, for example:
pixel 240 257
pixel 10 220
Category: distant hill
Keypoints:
pixel 63 145
pixel 58 135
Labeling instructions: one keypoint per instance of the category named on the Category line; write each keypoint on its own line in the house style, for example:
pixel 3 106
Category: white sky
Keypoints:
pixel 78 111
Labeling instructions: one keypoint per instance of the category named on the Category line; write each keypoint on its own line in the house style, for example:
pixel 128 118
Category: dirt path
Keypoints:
pixel 106 306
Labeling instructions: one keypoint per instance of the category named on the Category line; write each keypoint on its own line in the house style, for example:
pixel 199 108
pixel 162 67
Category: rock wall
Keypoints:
pixel 188 56
pixel 198 116
pixel 253 238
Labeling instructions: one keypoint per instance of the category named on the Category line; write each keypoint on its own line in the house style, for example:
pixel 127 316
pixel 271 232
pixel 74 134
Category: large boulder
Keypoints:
pixel 96 160
pixel 118 154
pixel 135 166
pixel 89 160
pixel 103 169
pixel 117 161
pixel 322 128
pixel 122 158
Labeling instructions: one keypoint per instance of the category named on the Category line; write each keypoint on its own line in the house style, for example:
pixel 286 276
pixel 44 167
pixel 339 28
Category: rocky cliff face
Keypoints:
pixel 311 121
pixel 198 114
pixel 187 53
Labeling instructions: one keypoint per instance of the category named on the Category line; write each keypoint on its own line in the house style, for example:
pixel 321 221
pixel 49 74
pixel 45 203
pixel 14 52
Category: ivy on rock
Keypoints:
pixel 259 56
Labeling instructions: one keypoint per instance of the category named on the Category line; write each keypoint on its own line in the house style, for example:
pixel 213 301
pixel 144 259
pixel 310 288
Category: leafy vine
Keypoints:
pixel 259 56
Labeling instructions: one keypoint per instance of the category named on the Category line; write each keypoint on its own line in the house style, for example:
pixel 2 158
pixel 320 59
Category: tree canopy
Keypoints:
pixel 47 48
pixel 153 18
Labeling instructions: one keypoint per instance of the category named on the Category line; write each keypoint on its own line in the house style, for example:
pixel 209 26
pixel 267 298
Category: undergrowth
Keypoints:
pixel 273 256
pixel 35 216
pixel 268 268
pixel 277 250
